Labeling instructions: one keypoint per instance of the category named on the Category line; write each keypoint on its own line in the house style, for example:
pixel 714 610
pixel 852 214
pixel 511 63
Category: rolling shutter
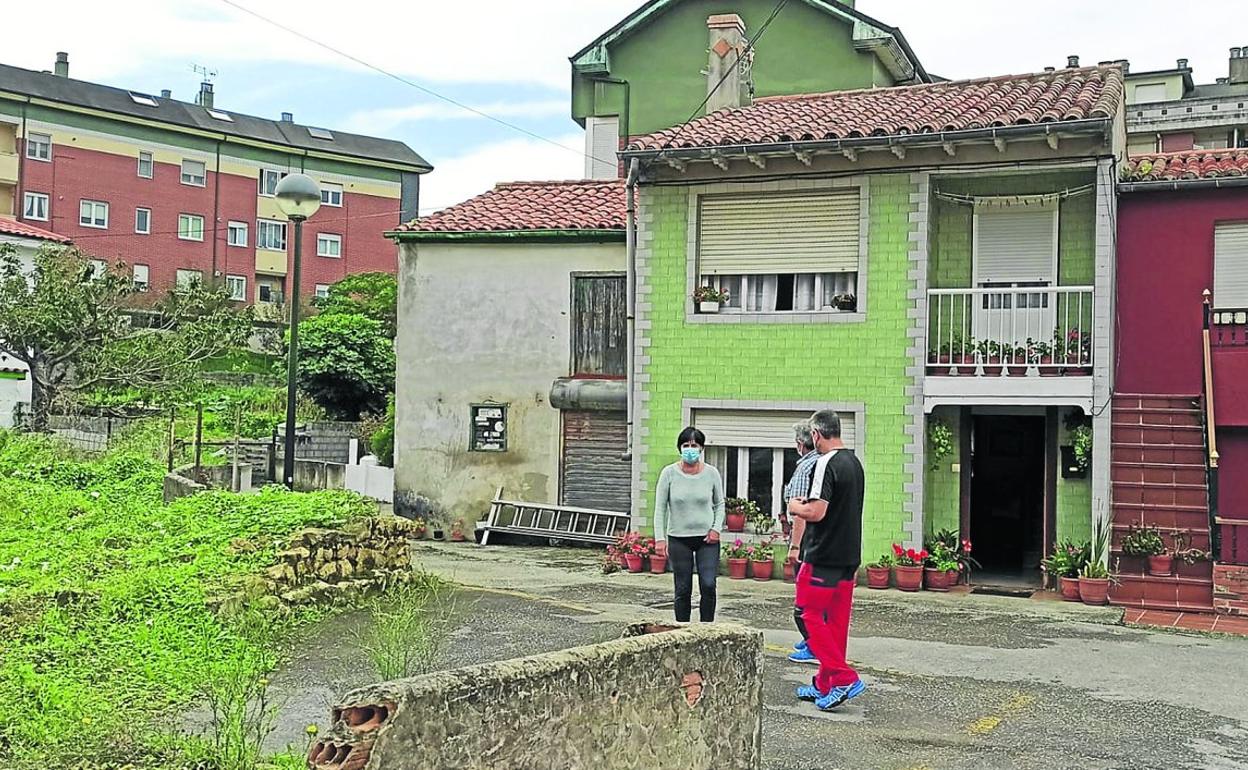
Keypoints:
pixel 760 428
pixel 595 473
pixel 808 233
pixel 1230 265
pixel 602 142
pixel 1015 244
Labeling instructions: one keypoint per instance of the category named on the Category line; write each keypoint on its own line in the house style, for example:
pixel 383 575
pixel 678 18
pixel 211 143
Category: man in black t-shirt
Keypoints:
pixel 833 540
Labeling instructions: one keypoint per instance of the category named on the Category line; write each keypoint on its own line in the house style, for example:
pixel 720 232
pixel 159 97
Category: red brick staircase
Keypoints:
pixel 1158 474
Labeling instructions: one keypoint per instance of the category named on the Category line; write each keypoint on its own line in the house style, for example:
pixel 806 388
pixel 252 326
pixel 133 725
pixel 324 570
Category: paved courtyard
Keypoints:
pixel 954 681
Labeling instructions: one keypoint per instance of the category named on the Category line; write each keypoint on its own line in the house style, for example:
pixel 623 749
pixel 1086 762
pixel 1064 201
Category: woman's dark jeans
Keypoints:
pixel 684 554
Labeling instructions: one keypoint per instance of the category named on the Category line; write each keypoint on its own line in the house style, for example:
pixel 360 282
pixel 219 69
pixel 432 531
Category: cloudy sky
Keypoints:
pixel 510 59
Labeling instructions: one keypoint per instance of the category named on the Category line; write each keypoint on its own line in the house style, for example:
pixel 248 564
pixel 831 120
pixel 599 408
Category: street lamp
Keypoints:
pixel 299 197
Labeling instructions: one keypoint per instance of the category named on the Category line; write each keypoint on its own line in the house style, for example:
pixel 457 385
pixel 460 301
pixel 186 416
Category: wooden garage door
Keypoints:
pixel 595 473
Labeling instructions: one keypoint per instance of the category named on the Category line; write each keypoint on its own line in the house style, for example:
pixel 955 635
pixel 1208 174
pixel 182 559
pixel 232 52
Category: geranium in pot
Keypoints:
pixel 908 567
pixel 736 511
pixel 1146 542
pixel 419 528
pixel 763 560
pixel 879 572
pixel 737 553
pixel 940 567
pixel 708 298
pixel 990 355
pixel 1064 565
pixel 632 547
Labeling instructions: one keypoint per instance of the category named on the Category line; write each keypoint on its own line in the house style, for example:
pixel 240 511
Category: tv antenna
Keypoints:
pixel 204 72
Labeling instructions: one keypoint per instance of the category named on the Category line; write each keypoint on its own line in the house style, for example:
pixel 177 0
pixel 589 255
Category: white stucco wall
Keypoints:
pixel 481 322
pixel 13 392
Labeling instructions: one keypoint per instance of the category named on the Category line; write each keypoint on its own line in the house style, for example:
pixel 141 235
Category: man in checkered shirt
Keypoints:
pixel 799 486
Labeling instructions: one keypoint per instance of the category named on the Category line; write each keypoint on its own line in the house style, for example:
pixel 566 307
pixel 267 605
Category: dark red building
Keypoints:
pixel 1181 392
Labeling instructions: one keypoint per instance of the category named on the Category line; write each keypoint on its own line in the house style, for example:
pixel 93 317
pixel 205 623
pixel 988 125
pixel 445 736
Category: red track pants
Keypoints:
pixel 829 634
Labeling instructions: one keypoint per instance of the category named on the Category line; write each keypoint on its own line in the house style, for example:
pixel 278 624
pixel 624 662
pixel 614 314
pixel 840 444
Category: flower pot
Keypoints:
pixel 1016 370
pixel 737 567
pixel 1094 590
pixel 937 579
pixel 909 578
pixel 1160 566
pixel 419 533
pixel 658 564
pixel 708 307
pixel 1070 588
pixel 1047 369
pixel 438 535
pixel 762 570
pixel 877 577
pixel 790 570
pixel 953 577
pixel 633 562
pixel 965 364
pixel 992 366
pixel 457 536
pixel 735 522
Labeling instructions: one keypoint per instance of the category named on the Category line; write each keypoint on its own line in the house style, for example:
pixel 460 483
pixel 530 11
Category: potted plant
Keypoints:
pixel 762 560
pixel 708 298
pixel 1145 541
pixel 1094 577
pixel 940 567
pixel 790 569
pixel 959 552
pixel 1064 566
pixel 1078 352
pixel 1183 553
pixel 990 355
pixel 658 564
pixel 738 555
pixel 736 511
pixel 846 302
pixel 908 566
pixel 457 531
pixel 939 442
pixel 1081 443
pixel 419 528
pixel 962 354
pixel 879 571
pixel 630 548
pixel 760 520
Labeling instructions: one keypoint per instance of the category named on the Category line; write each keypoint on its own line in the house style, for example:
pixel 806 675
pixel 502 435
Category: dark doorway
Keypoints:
pixel 1007 499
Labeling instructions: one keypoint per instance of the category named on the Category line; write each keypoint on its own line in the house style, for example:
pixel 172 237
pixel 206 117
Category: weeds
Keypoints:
pixel 411 625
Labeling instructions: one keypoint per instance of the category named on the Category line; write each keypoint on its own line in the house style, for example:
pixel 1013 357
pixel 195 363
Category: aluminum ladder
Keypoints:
pixel 556 522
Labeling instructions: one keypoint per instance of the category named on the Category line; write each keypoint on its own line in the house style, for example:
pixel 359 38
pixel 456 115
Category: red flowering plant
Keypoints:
pixel 630 543
pixel 908 557
pixel 763 551
pixel 737 549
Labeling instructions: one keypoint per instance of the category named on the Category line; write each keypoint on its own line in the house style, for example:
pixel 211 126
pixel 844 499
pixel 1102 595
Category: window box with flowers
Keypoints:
pixel 737 553
pixel 708 298
pixel 908 567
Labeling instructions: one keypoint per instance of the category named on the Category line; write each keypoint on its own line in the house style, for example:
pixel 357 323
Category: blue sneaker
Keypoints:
pixel 839 695
pixel 800 645
pixel 809 692
pixel 804 655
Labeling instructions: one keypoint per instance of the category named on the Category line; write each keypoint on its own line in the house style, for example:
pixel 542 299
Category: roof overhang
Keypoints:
pixel 507 236
pixel 1164 185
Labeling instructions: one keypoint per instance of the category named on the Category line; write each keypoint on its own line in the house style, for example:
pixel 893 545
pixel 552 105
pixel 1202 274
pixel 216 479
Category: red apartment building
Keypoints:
pixel 183 191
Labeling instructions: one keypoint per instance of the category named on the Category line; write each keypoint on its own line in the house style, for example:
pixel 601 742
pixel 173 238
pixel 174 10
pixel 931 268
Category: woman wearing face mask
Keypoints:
pixel 688 517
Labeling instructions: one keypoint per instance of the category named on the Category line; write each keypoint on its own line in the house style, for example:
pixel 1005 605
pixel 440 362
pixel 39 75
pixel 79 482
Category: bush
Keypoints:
pixel 346 364
pixel 381 439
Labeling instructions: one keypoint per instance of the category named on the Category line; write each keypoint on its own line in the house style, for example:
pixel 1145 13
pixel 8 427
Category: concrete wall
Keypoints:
pixel 687 699
pixel 482 322
pixel 375 481
pixel 326 441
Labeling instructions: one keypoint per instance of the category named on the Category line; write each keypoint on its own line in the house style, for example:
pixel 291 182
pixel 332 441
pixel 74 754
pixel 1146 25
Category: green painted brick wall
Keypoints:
pixel 1074 497
pixel 942 487
pixel 833 362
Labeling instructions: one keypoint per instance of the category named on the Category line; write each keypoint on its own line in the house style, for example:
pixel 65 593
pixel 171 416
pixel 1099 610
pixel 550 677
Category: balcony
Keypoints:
pixel 8 167
pixel 1010 345
pixel 270 262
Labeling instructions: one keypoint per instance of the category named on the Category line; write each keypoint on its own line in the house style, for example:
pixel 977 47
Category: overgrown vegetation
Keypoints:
pixel 411 626
pixel 104 620
pixel 346 364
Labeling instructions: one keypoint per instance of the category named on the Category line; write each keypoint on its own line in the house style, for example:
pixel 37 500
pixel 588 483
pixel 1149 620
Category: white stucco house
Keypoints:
pixel 512 358
pixel 14 375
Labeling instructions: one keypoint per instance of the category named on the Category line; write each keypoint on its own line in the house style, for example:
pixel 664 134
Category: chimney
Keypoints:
pixel 1072 61
pixel 288 117
pixel 728 63
pixel 62 64
pixel 1126 65
pixel 1050 69
pixel 205 96
pixel 165 93
pixel 1182 64
pixel 1239 66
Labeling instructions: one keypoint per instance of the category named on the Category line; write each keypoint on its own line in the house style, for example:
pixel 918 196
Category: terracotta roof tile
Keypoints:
pixel 1012 100
pixel 13 227
pixel 572 205
pixel 1189 164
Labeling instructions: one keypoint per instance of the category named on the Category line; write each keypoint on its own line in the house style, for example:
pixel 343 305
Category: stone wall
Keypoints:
pixel 326 565
pixel 687 698
pixel 1230 589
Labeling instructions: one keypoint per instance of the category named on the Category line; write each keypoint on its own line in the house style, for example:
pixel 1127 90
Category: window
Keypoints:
pixel 145 165
pixel 328 245
pixel 193 173
pixel 753 449
pixel 236 287
pixel 35 206
pixel 331 194
pixel 1150 92
pixel 1230 265
pixel 39 147
pixel 219 115
pixel 1015 243
pixel 320 133
pixel 98 268
pixel 749 246
pixel 143 99
pixel 140 277
pixel 268 181
pixel 93 214
pixel 190 227
pixel 322 290
pixel 236 234
pixel 271 235
pixel 269 293
pixel 189 279
pixel 602 142
pixel 143 221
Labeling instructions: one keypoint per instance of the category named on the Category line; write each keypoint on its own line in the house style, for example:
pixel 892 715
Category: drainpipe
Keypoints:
pixel 630 246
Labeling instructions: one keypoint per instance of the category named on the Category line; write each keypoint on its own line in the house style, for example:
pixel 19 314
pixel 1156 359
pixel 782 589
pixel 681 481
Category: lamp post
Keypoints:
pixel 299 197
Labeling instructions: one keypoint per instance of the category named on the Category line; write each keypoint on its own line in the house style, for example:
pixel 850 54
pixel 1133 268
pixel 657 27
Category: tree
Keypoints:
pixel 78 329
pixel 374 295
pixel 346 364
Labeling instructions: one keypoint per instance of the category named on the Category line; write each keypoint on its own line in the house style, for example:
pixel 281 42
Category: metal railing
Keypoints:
pixel 1227 327
pixel 1008 330
pixel 1211 425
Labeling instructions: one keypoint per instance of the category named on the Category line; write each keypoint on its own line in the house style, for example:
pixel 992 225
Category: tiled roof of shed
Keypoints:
pixel 1189 164
pixel 1012 100
pixel 14 227
pixel 589 204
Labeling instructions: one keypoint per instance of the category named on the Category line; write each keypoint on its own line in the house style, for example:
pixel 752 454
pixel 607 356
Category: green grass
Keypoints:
pixel 244 361
pixel 104 626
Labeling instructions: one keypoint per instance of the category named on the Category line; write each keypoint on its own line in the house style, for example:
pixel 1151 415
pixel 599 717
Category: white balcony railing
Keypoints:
pixel 1010 331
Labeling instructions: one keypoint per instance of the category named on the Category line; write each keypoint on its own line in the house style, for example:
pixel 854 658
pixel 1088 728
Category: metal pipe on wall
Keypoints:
pixel 630 246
